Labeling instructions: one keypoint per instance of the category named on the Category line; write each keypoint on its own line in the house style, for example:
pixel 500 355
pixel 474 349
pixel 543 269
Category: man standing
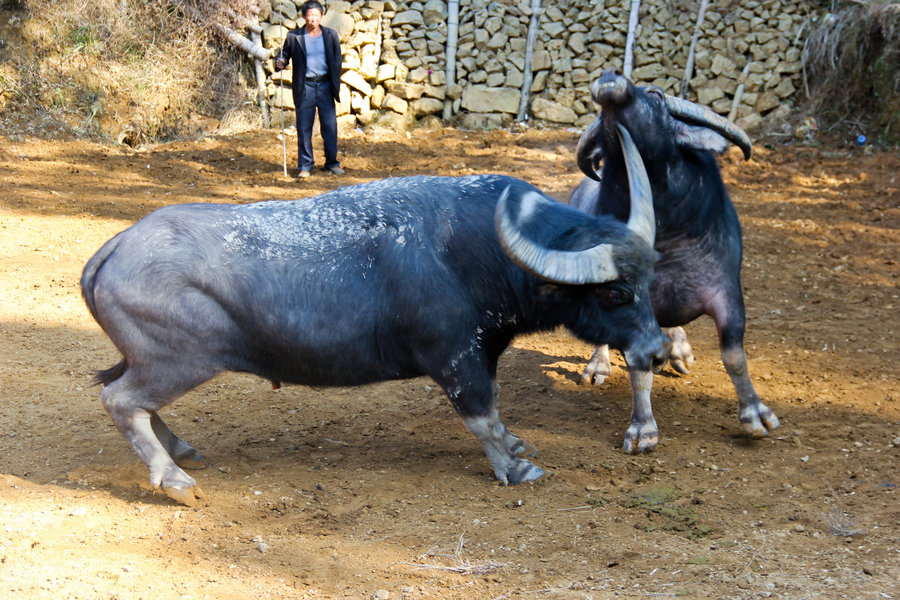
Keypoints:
pixel 315 83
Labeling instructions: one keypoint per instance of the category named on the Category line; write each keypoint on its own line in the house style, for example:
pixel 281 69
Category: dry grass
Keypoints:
pixel 839 521
pixel 101 66
pixel 852 70
pixel 460 566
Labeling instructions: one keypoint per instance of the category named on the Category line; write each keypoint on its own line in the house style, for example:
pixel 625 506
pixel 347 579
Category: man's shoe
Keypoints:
pixel 303 174
pixel 336 171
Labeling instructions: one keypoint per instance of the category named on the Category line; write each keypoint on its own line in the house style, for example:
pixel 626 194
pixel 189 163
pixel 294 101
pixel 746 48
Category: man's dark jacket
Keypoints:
pixel 295 49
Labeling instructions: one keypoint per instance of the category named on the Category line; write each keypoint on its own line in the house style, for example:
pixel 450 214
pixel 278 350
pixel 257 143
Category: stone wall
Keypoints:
pixel 747 60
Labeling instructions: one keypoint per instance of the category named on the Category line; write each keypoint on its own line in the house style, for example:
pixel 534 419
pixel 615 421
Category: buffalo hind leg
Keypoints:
pixel 756 418
pixel 682 355
pixel 132 404
pixel 184 455
pixel 598 368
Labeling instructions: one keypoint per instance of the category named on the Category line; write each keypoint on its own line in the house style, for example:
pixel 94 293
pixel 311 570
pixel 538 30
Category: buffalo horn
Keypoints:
pixel 689 112
pixel 588 152
pixel 642 220
pixel 594 265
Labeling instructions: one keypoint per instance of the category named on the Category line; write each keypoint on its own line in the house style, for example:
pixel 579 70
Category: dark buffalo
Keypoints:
pixel 698 235
pixel 381 281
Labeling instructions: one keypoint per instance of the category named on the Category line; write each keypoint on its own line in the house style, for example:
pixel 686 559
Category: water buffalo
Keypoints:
pixel 698 235
pixel 380 281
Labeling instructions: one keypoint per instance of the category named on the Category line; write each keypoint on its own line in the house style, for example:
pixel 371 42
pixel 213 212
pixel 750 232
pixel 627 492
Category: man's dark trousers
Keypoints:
pixel 317 94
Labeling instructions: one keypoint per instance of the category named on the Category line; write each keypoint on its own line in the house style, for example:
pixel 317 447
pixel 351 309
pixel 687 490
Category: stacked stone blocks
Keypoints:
pixel 395 57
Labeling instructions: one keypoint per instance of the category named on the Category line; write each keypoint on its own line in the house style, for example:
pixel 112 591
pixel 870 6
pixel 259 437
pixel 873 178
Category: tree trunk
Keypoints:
pixel 689 67
pixel 528 75
pixel 629 41
pixel 253 49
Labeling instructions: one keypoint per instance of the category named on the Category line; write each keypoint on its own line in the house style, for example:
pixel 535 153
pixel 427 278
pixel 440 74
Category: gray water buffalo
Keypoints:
pixel 698 235
pixel 381 281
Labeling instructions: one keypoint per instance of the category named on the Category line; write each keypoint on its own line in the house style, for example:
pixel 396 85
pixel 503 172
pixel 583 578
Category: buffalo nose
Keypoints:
pixel 611 89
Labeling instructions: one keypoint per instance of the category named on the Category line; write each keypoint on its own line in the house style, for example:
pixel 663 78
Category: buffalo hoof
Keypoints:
pixel 595 374
pixel 679 366
pixel 639 439
pixel 598 367
pixel 176 484
pixel 758 421
pixel 521 471
pixel 190 460
pixel 525 449
pixel 593 378
pixel 187 496
pixel 681 356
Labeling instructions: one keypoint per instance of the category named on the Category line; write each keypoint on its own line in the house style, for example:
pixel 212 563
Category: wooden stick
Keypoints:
pixel 452 38
pixel 629 41
pixel 530 41
pixel 689 67
pixel 739 93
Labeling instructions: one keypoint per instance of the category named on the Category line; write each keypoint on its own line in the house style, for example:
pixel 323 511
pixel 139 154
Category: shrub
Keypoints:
pixel 852 70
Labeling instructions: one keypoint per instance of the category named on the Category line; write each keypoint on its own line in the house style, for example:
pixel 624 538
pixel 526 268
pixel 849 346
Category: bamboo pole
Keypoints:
pixel 689 67
pixel 296 108
pixel 452 39
pixel 632 34
pixel 528 75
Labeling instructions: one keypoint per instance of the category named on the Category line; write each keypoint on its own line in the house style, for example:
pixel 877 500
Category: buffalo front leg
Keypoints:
pixel 642 434
pixel 681 357
pixel 476 403
pixel 501 447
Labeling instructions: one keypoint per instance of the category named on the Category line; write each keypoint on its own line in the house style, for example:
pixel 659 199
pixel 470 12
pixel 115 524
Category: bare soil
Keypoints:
pixel 380 491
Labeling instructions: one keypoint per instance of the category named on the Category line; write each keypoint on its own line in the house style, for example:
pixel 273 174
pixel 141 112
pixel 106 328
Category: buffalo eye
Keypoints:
pixel 615 295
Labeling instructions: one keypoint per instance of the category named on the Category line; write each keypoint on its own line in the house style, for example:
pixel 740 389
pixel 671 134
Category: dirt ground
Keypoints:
pixel 380 491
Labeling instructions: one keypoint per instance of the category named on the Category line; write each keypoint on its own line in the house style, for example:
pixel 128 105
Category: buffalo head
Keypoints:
pixel 660 123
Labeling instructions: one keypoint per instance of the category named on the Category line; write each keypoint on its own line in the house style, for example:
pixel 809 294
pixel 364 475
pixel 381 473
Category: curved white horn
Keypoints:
pixel 594 265
pixel 642 220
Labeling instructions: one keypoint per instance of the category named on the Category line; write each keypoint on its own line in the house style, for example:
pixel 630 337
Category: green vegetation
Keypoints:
pixel 665 502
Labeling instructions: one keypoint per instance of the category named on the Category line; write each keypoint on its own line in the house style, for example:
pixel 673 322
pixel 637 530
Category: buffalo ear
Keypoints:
pixel 699 138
